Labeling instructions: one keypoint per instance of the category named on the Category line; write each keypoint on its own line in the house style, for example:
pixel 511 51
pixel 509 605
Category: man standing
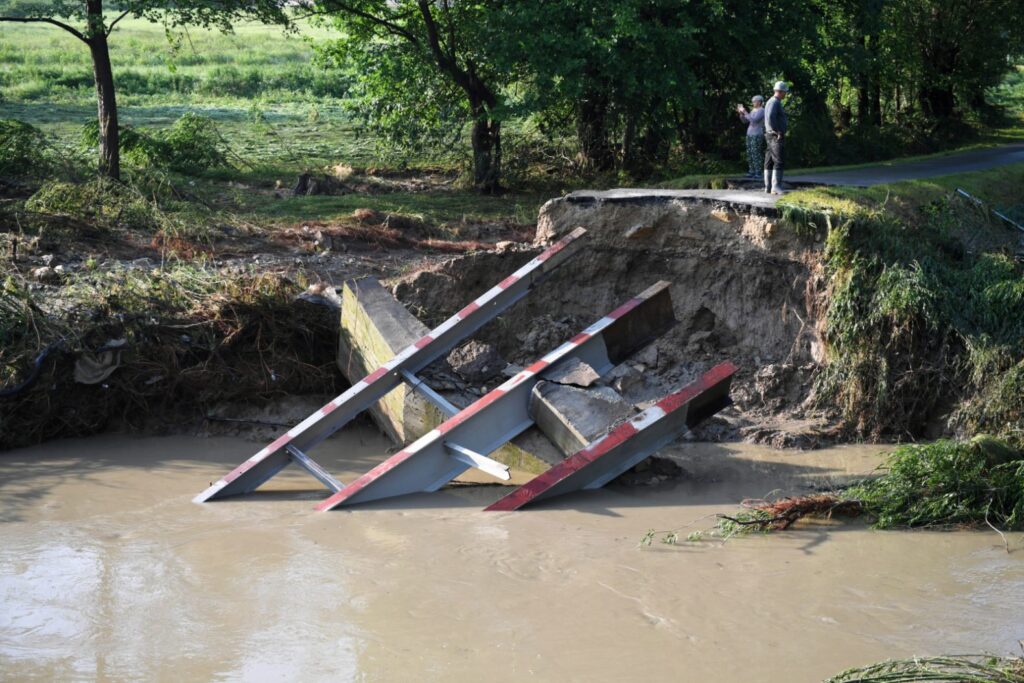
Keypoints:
pixel 774 133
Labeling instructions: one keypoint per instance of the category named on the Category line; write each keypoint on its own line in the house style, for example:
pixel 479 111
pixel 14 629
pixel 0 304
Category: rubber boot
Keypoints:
pixel 767 181
pixel 777 181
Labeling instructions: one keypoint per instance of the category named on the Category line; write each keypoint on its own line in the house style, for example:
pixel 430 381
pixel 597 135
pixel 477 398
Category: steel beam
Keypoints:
pixel 480 462
pixel 272 459
pixel 314 468
pixel 427 465
pixel 421 388
pixel 629 443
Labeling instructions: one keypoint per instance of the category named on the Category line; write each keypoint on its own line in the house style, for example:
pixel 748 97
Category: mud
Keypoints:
pixel 109 572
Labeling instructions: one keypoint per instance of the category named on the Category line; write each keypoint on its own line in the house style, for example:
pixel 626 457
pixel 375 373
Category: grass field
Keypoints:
pixel 279 112
pixel 45 64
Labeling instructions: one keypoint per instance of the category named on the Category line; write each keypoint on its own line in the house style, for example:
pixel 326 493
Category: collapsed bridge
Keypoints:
pixel 595 436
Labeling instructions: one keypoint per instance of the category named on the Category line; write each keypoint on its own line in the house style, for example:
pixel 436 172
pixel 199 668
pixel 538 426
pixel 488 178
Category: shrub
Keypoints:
pixel 948 483
pixel 192 145
pixel 24 151
pixel 100 202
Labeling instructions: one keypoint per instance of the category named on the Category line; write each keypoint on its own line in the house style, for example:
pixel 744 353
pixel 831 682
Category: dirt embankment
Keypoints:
pixel 745 288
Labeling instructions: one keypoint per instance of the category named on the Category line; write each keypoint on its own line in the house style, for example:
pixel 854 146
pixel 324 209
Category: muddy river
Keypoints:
pixel 108 571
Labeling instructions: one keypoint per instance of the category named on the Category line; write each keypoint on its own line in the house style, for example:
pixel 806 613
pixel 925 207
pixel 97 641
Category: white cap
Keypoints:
pixel 757 98
pixel 781 86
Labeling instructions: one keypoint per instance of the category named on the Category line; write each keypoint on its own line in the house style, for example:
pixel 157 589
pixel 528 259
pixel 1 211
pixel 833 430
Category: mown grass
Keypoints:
pixel 45 64
pixel 435 208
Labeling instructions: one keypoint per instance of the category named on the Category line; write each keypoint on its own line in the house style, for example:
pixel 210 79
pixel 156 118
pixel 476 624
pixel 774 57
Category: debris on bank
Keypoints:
pixel 949 669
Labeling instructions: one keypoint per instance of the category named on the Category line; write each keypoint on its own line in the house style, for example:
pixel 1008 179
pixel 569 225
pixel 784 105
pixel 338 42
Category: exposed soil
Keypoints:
pixel 745 288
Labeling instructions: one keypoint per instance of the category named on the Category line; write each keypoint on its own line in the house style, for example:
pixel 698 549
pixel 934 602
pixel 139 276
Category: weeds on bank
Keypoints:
pixel 925 310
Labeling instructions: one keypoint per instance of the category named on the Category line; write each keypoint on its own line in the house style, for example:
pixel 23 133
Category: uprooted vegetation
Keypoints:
pixel 950 669
pixel 182 339
pixel 945 484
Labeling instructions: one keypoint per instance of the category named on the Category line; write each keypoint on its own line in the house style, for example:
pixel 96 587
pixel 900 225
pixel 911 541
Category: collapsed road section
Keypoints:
pixel 585 432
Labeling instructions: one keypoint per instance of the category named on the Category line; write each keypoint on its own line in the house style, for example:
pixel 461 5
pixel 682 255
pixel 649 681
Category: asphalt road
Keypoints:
pixel 877 174
pixel 895 171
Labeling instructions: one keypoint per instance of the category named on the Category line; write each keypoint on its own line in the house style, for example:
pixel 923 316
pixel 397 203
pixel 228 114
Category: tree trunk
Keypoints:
pixel 863 86
pixel 939 103
pixel 628 141
pixel 592 132
pixel 110 153
pixel 486 139
pixel 876 103
pixel 876 82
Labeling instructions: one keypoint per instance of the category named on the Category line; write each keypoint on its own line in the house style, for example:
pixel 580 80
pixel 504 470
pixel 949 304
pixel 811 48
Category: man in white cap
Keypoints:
pixel 774 134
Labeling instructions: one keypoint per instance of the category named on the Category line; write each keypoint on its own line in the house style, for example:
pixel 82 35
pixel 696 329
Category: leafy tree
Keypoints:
pixel 424 68
pixel 92 23
pixel 612 71
pixel 954 49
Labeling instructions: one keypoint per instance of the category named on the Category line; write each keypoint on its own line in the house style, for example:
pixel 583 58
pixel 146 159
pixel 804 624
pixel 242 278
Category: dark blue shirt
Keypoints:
pixel 774 116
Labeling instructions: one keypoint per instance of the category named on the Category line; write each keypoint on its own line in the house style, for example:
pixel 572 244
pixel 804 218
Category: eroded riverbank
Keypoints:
pixel 108 571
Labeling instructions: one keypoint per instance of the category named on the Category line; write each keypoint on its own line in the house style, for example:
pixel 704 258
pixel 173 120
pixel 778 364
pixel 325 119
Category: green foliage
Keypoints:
pixel 24 151
pixel 214 13
pixel 947 483
pixel 193 144
pixel 916 324
pixel 422 72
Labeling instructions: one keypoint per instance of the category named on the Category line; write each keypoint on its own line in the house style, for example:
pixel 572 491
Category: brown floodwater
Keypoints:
pixel 108 571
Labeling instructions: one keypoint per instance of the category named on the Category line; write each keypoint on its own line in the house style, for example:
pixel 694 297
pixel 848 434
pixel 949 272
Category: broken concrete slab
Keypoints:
pixel 374 328
pixel 572 417
pixel 630 442
pixel 575 372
